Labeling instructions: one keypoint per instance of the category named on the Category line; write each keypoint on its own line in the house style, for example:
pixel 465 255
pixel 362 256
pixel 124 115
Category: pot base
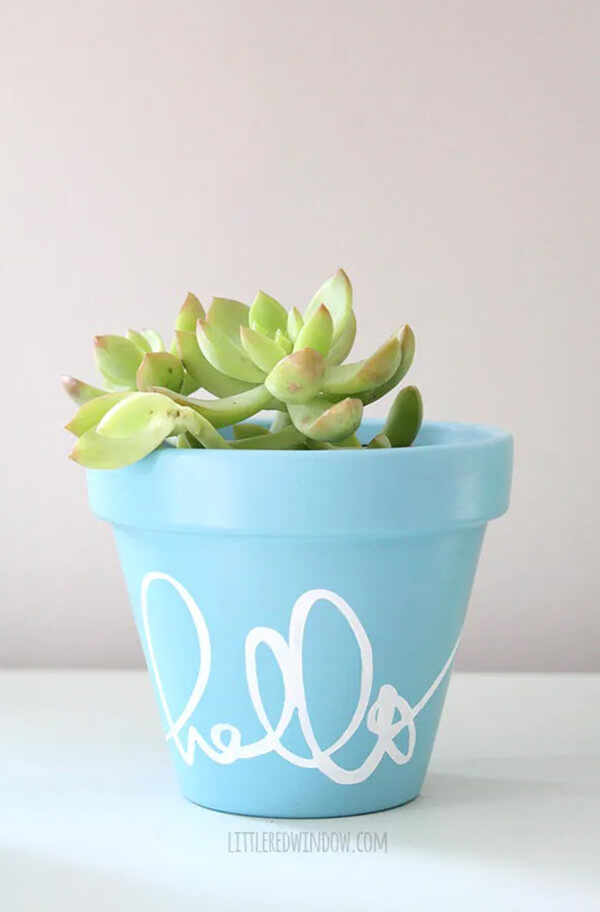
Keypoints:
pixel 296 816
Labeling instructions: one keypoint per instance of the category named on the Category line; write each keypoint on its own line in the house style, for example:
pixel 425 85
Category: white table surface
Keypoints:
pixel 90 817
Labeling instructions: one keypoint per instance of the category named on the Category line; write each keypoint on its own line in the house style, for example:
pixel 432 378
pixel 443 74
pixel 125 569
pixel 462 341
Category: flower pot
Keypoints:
pixel 300 611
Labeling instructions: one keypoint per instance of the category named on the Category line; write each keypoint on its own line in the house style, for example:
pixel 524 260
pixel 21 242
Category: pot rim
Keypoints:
pixel 455 474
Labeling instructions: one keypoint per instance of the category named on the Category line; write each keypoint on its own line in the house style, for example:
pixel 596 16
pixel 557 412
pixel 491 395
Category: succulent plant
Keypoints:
pixel 250 359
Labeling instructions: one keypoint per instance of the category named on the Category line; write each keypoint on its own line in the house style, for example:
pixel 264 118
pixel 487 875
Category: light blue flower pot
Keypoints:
pixel 300 611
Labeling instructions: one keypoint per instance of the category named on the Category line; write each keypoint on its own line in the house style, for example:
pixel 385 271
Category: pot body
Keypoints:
pixel 300 618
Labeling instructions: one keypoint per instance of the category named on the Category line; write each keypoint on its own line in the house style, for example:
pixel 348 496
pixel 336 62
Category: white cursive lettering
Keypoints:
pixel 225 744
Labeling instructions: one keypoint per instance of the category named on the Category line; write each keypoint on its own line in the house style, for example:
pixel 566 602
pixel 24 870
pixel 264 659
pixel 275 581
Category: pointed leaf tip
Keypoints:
pixel 336 294
pixel 267 315
pixel 317 332
pixel 79 391
pixel 91 412
pixel 117 359
pixel 95 451
pixel 349 379
pixel 189 313
pixel 227 315
pixel 295 323
pixel 406 339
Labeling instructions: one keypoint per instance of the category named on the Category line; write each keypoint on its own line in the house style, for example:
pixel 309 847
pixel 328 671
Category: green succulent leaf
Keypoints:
pixel 336 295
pixel 407 343
pixel 95 451
pixel 246 430
pixel 138 339
pixel 93 411
pixel 317 332
pixel 280 421
pixel 79 391
pixel 297 377
pixel 379 442
pixel 160 369
pixel 342 347
pixel 295 322
pixel 263 351
pixel 189 385
pixel 327 421
pixel 117 359
pixel 349 379
pixel 202 372
pixel 253 358
pixel 350 443
pixel 282 340
pixel 287 439
pixel 228 315
pixel 137 424
pixel 201 429
pixel 406 338
pixel 224 356
pixel 189 313
pixel 319 444
pixel 229 410
pixel 139 413
pixel 267 315
pixel 155 340
pixel 405 417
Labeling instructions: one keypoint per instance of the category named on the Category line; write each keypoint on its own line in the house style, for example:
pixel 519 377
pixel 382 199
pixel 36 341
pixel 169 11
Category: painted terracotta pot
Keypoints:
pixel 300 611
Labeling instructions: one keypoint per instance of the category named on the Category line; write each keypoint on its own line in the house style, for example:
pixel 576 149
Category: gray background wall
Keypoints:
pixel 444 153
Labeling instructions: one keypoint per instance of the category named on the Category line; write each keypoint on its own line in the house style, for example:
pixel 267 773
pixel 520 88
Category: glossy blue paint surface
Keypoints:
pixel 395 533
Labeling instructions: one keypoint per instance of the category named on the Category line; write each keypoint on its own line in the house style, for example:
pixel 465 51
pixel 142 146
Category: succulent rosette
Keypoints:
pixel 250 359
